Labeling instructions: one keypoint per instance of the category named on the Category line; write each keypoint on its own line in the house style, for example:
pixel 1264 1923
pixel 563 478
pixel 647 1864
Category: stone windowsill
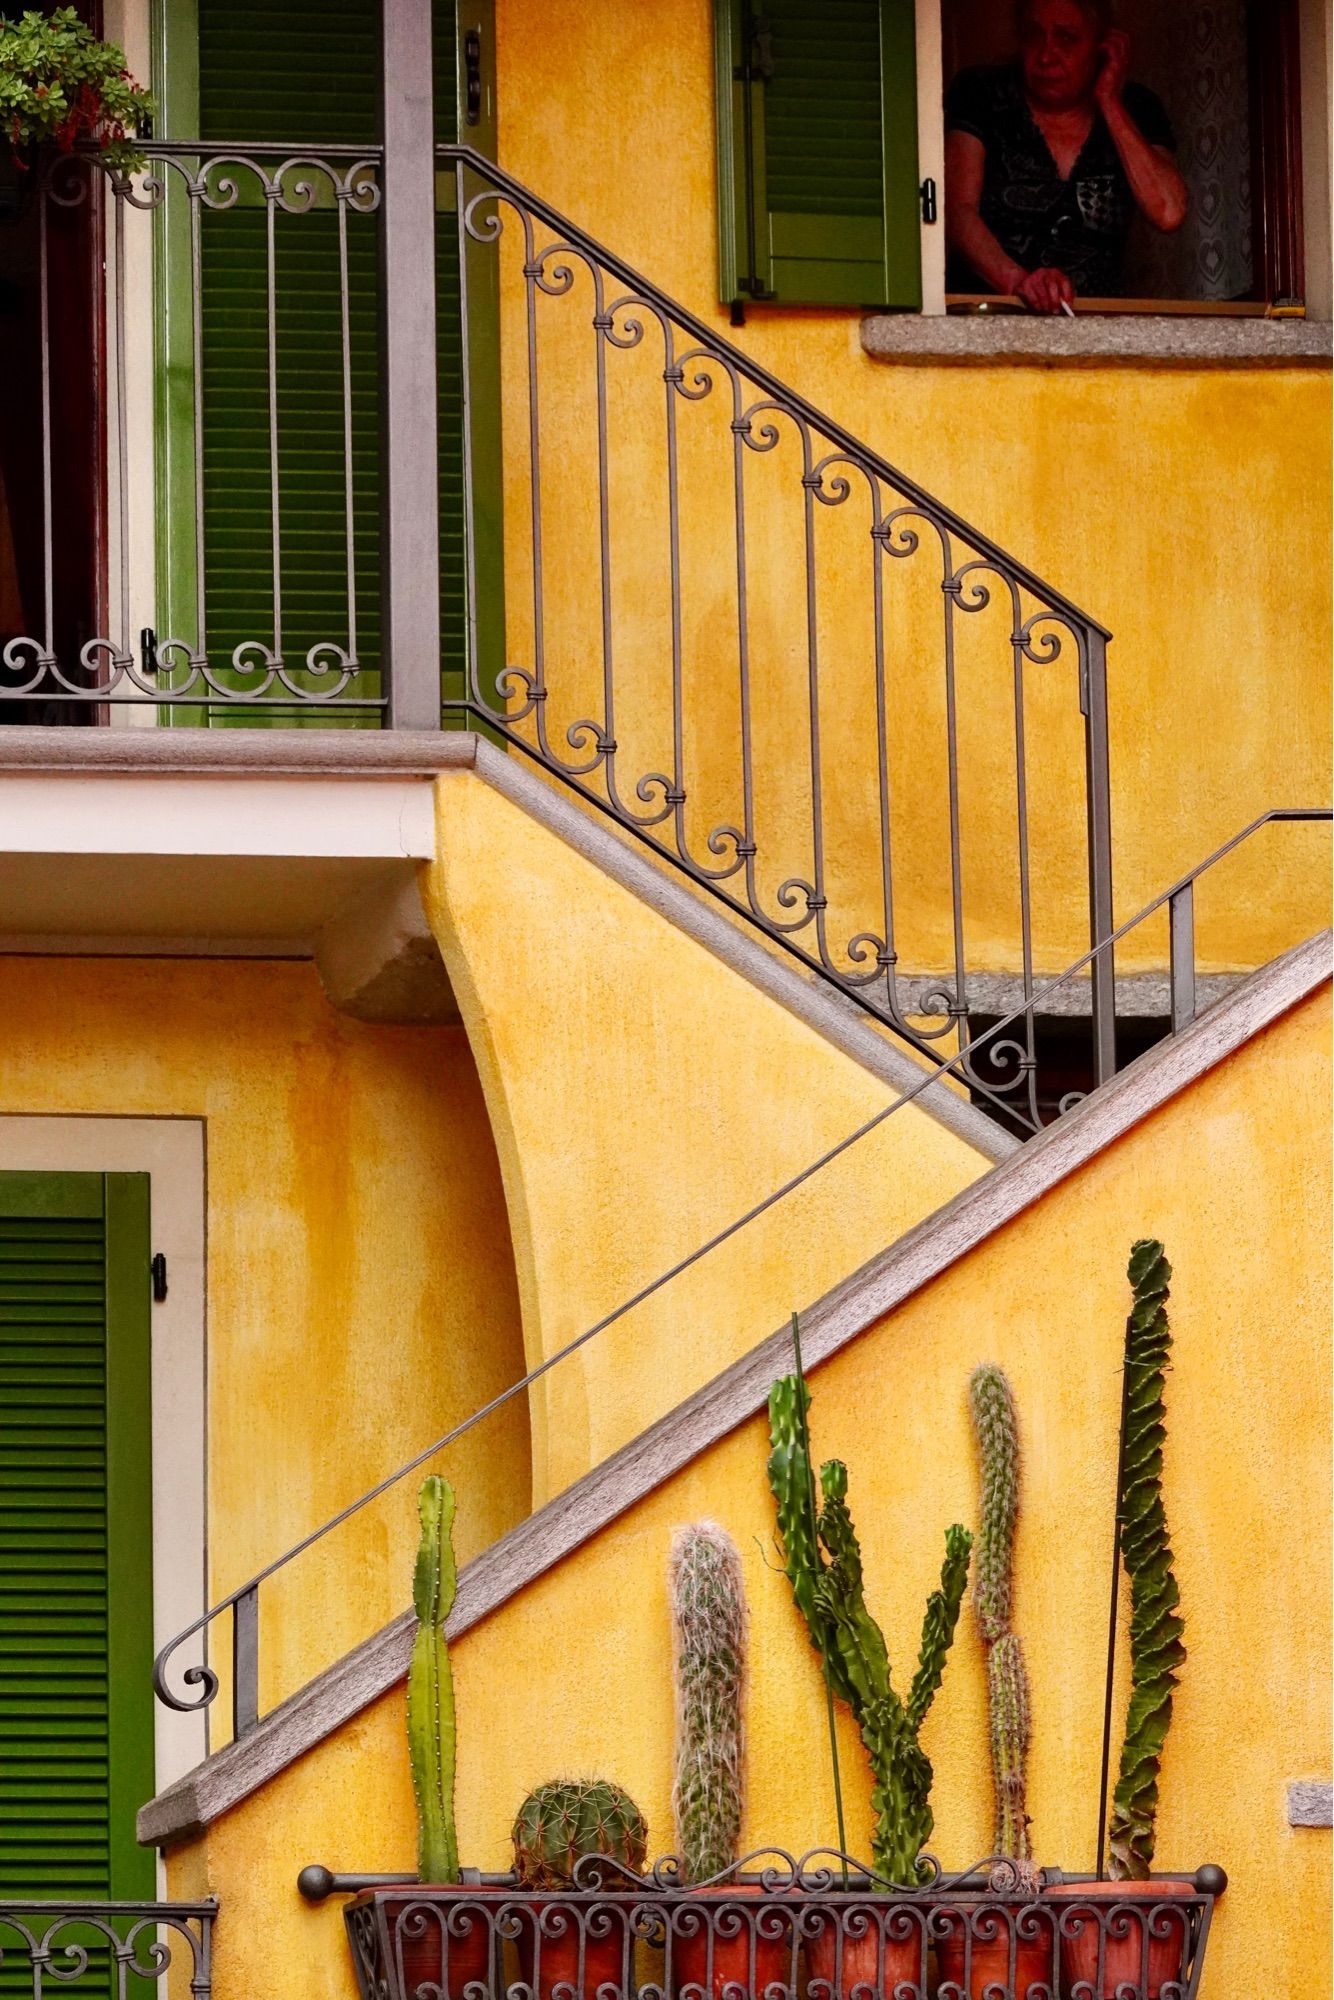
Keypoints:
pixel 1151 340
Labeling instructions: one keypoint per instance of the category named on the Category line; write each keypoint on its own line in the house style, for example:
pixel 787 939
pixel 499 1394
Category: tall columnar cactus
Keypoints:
pixel 560 1823
pixel 823 1561
pixel 992 1405
pixel 709 1650
pixel 1156 1625
pixel 431 1687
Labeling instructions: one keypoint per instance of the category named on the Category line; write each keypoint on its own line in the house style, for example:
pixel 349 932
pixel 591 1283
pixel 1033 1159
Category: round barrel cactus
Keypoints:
pixel 561 1823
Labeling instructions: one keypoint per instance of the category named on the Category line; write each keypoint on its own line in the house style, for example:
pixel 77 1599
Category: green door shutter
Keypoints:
pixel 817 152
pixel 76 1602
pixel 302 72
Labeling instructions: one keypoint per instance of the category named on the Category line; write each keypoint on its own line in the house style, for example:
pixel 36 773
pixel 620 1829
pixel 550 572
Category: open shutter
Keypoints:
pixel 76 1634
pixel 817 149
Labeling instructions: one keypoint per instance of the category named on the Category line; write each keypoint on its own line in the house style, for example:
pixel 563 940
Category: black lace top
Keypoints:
pixel 1079 225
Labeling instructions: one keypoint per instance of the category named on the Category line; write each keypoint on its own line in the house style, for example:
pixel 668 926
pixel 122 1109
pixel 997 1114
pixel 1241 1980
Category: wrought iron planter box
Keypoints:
pixel 789 1930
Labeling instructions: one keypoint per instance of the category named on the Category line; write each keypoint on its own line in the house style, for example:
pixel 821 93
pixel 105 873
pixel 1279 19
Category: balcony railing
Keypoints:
pixel 106 1951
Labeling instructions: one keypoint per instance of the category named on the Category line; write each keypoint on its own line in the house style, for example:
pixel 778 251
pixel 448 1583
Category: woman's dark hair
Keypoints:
pixel 1098 12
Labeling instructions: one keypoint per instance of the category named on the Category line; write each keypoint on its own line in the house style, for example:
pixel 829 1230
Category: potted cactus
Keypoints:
pixel 974 1947
pixel 711 1951
pixel 559 1831
pixel 440 1951
pixel 822 1557
pixel 1143 1943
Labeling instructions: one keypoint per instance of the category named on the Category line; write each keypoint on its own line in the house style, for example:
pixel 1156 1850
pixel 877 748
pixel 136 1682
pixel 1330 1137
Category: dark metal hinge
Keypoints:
pixel 472 76
pixel 158 1272
pixel 930 203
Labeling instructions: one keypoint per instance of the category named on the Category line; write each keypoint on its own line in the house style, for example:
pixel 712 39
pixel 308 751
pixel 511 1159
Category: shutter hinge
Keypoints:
pixel 930 205
pixel 472 72
pixel 158 1271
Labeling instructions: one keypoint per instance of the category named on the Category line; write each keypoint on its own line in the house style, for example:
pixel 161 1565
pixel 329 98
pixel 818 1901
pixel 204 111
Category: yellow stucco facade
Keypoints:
pixel 360 1285
pixel 644 1095
pixel 1186 508
pixel 573 1675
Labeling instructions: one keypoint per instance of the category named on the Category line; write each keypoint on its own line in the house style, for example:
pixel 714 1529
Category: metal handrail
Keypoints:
pixel 61 1939
pixel 243 1602
pixel 801 906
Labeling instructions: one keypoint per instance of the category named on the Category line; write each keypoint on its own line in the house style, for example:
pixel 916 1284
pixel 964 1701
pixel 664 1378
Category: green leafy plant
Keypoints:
pixel 560 1823
pixel 60 84
pixel 996 1428
pixel 709 1653
pixel 823 1561
pixel 1156 1625
pixel 431 1729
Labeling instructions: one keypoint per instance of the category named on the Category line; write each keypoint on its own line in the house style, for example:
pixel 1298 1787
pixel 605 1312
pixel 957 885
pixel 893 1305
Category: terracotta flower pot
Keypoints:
pixel 974 1942
pixel 711 1949
pixel 1145 1945
pixel 553 1936
pixel 443 1946
pixel 861 1953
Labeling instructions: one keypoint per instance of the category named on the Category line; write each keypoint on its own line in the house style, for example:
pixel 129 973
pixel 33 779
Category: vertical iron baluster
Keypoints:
pixel 816 903
pixel 48 545
pixel 196 195
pixel 474 684
pixel 245 1661
pixel 671 375
pixel 1025 892
pixel 1093 693
pixel 882 746
pixel 271 211
pixel 348 475
pixel 601 328
pixel 950 589
pixel 535 504
pixel 740 431
pixel 119 189
pixel 1181 922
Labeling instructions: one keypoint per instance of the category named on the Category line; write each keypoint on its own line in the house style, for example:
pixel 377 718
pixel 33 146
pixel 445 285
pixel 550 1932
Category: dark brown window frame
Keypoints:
pixel 1279 249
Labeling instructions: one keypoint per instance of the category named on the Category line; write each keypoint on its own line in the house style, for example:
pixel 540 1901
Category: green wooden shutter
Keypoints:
pixel 817 152
pixel 306 71
pixel 76 1626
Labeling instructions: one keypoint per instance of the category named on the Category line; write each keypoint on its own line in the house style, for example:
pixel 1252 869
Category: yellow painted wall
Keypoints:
pixel 643 1096
pixel 1187 509
pixel 573 1675
pixel 360 1282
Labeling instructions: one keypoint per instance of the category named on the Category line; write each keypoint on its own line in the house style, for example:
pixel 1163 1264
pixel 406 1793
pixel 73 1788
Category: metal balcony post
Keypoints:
pixel 411 570
pixel 1098 795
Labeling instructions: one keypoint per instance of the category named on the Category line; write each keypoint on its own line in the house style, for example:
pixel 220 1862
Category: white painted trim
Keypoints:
pixel 332 818
pixel 172 1152
pixel 931 149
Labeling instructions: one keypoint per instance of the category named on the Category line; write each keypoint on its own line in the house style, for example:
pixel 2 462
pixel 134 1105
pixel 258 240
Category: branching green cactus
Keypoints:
pixel 823 1561
pixel 560 1823
pixel 1156 1625
pixel 709 1634
pixel 992 1404
pixel 431 1687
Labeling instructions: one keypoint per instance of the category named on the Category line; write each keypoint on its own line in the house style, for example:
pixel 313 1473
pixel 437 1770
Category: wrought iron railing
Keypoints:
pixel 108 1950
pixel 196 1686
pixel 775 1927
pixel 705 607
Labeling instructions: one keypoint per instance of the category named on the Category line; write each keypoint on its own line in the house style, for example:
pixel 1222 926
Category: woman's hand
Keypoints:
pixel 1111 78
pixel 1045 290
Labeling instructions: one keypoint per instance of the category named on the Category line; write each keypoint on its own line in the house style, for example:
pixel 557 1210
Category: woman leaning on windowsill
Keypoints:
pixel 1047 161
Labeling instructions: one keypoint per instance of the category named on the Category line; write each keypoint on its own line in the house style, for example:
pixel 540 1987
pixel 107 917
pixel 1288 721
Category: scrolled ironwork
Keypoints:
pixel 74 1944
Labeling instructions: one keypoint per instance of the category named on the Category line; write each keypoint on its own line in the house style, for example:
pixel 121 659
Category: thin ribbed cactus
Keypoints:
pixel 1156 1625
pixel 823 1561
pixel 991 1402
pixel 560 1823
pixel 709 1653
pixel 431 1687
